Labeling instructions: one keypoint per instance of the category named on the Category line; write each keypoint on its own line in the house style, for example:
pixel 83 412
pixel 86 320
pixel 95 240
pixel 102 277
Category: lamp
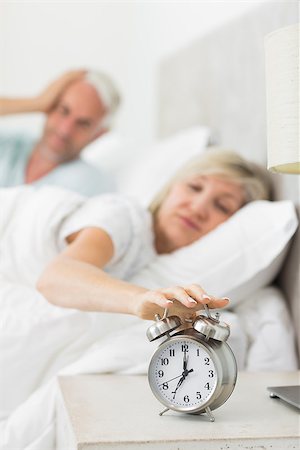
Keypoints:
pixel 282 90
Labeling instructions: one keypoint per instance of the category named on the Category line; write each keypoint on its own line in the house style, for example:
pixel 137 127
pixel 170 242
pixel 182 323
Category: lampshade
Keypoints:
pixel 282 89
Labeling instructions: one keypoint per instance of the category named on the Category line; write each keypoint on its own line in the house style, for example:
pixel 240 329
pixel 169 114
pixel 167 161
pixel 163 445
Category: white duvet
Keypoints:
pixel 39 341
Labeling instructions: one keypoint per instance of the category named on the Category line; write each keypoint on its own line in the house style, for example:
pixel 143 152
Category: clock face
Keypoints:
pixel 182 374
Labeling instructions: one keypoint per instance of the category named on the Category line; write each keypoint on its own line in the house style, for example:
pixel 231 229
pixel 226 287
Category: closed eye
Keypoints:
pixel 225 209
pixel 85 124
pixel 195 187
pixel 63 110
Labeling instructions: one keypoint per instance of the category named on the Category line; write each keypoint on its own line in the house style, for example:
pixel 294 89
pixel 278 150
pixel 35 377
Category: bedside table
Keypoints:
pixel 119 412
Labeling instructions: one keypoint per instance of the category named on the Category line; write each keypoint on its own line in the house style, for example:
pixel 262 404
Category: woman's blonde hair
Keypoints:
pixel 254 179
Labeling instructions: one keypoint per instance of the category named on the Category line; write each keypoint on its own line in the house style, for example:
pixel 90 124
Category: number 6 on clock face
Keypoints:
pixel 182 374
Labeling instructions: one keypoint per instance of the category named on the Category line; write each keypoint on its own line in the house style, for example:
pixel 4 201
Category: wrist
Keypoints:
pixel 136 303
pixel 38 105
pixel 19 105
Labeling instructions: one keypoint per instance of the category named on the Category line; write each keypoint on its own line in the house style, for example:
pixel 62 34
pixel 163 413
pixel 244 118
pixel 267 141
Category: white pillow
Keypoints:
pixel 142 171
pixel 110 152
pixel 241 255
pixel 265 319
pixel 153 166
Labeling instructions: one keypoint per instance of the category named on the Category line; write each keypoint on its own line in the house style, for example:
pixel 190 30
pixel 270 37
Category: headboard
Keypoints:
pixel 219 81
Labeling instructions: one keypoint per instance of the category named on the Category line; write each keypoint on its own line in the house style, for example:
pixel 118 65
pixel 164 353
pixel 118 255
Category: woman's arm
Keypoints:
pixel 75 279
pixel 45 101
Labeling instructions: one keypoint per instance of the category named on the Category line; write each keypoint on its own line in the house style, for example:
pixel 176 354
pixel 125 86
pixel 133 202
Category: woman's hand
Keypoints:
pixel 47 100
pixel 180 301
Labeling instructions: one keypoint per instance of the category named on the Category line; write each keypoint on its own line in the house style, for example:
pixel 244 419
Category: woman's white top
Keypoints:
pixel 34 225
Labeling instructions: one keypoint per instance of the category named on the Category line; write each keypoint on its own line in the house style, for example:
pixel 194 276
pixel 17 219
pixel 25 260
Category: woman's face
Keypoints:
pixel 193 208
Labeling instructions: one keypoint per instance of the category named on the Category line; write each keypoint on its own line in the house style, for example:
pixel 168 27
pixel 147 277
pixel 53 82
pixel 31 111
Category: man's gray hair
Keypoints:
pixel 107 92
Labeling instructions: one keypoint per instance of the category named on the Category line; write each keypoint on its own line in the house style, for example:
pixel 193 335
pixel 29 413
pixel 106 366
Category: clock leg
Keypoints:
pixel 163 411
pixel 209 413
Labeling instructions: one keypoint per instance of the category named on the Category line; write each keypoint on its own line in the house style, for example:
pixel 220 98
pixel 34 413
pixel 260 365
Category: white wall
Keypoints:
pixel 168 25
pixel 39 40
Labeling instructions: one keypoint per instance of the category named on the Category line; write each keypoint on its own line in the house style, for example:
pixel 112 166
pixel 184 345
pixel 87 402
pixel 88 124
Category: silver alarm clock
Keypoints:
pixel 193 370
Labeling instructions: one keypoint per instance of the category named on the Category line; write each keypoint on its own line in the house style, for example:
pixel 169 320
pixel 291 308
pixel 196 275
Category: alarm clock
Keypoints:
pixel 193 370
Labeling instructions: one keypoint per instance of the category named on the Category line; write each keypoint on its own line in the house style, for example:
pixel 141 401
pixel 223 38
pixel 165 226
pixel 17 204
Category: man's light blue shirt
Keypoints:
pixel 77 175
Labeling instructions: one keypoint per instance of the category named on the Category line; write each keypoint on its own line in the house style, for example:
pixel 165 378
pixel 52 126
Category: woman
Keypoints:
pixel 85 274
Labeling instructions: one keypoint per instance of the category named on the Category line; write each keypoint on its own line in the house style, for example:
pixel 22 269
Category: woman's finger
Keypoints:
pixel 202 297
pixel 196 292
pixel 216 303
pixel 179 293
pixel 180 301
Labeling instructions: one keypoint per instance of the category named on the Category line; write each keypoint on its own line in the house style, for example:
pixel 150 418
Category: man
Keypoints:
pixel 79 107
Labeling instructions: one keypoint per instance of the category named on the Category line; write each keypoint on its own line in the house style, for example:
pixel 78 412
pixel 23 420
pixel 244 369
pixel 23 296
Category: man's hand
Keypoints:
pixel 43 102
pixel 49 97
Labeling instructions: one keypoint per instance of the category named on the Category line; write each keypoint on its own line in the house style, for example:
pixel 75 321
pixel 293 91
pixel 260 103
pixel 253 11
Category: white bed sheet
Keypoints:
pixel 68 342
pixel 39 341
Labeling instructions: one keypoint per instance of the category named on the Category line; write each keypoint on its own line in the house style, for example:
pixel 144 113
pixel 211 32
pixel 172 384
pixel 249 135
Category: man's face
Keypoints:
pixel 73 123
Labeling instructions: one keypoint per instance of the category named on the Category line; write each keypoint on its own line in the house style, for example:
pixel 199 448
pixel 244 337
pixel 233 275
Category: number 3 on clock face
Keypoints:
pixel 183 375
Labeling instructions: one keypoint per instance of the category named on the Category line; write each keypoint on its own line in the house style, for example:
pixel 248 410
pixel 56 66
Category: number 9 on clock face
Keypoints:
pixel 183 374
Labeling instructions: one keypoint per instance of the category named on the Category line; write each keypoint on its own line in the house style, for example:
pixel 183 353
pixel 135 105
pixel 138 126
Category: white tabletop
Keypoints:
pixel 120 412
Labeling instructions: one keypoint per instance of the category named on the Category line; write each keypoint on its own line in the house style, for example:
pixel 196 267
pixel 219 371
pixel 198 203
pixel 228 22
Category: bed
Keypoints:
pixel 197 85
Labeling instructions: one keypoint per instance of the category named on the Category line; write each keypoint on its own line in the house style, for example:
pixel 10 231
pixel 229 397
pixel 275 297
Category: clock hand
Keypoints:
pixel 185 361
pixel 170 380
pixel 178 384
pixel 184 375
pixel 191 370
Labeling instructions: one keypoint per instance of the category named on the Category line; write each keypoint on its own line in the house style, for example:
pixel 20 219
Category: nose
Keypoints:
pixel 65 127
pixel 200 206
